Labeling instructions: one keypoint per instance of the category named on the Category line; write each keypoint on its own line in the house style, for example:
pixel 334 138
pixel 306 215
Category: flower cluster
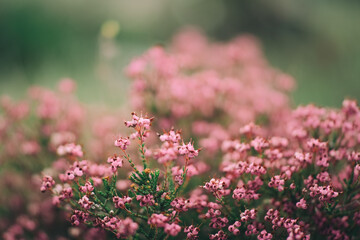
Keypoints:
pixel 90 189
pixel 219 86
pixel 31 130
pixel 37 133
pixel 265 171
pixel 276 187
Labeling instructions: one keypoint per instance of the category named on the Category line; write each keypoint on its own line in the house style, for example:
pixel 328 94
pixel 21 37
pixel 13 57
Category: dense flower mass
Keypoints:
pixel 220 87
pixel 264 171
pixel 277 187
pixel 33 131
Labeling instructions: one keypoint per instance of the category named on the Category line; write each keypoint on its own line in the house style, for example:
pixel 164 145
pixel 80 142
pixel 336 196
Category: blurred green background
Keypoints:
pixel 42 41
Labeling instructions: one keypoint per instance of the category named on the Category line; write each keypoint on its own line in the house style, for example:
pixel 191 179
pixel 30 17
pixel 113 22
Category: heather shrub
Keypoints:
pixel 243 166
pixel 301 186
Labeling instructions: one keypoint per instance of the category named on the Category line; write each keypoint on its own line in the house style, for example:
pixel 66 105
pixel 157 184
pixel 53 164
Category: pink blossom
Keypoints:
pixel 248 215
pixel 234 228
pixel 245 194
pixel 85 202
pixel 70 149
pixel 126 228
pixel 217 187
pixel 120 202
pixel 122 143
pixel 218 236
pixel 277 182
pixel 158 220
pixel 188 150
pixel 192 232
pixel 301 204
pixel 47 183
pixel 87 188
pixel 264 235
pixel 146 200
pixel 78 217
pixel 172 229
pixel 116 163
pixel 139 122
pixel 66 193
pixel 180 204
pixel 171 136
pixel 259 143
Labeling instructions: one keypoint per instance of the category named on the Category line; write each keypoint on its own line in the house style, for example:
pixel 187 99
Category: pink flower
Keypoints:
pixel 70 149
pixel 303 158
pixel 120 202
pixel 158 220
pixel 122 143
pixel 234 228
pixel 325 193
pixel 248 215
pixel 126 228
pixel 218 236
pixel 264 235
pixel 85 202
pixel 323 177
pixel 172 229
pixel 166 153
pixel 259 143
pixel 136 67
pixel 111 223
pixel 47 183
pixel 217 187
pixel 192 232
pixel 301 204
pixel 55 200
pixel 245 194
pixel 277 182
pixel 350 107
pixel 252 229
pixel 146 200
pixel 116 162
pixel 139 122
pixel 179 204
pixel 66 193
pixel 171 136
pixel 78 217
pixel 87 188
pixel 188 150
pixel 279 142
pixel 219 222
